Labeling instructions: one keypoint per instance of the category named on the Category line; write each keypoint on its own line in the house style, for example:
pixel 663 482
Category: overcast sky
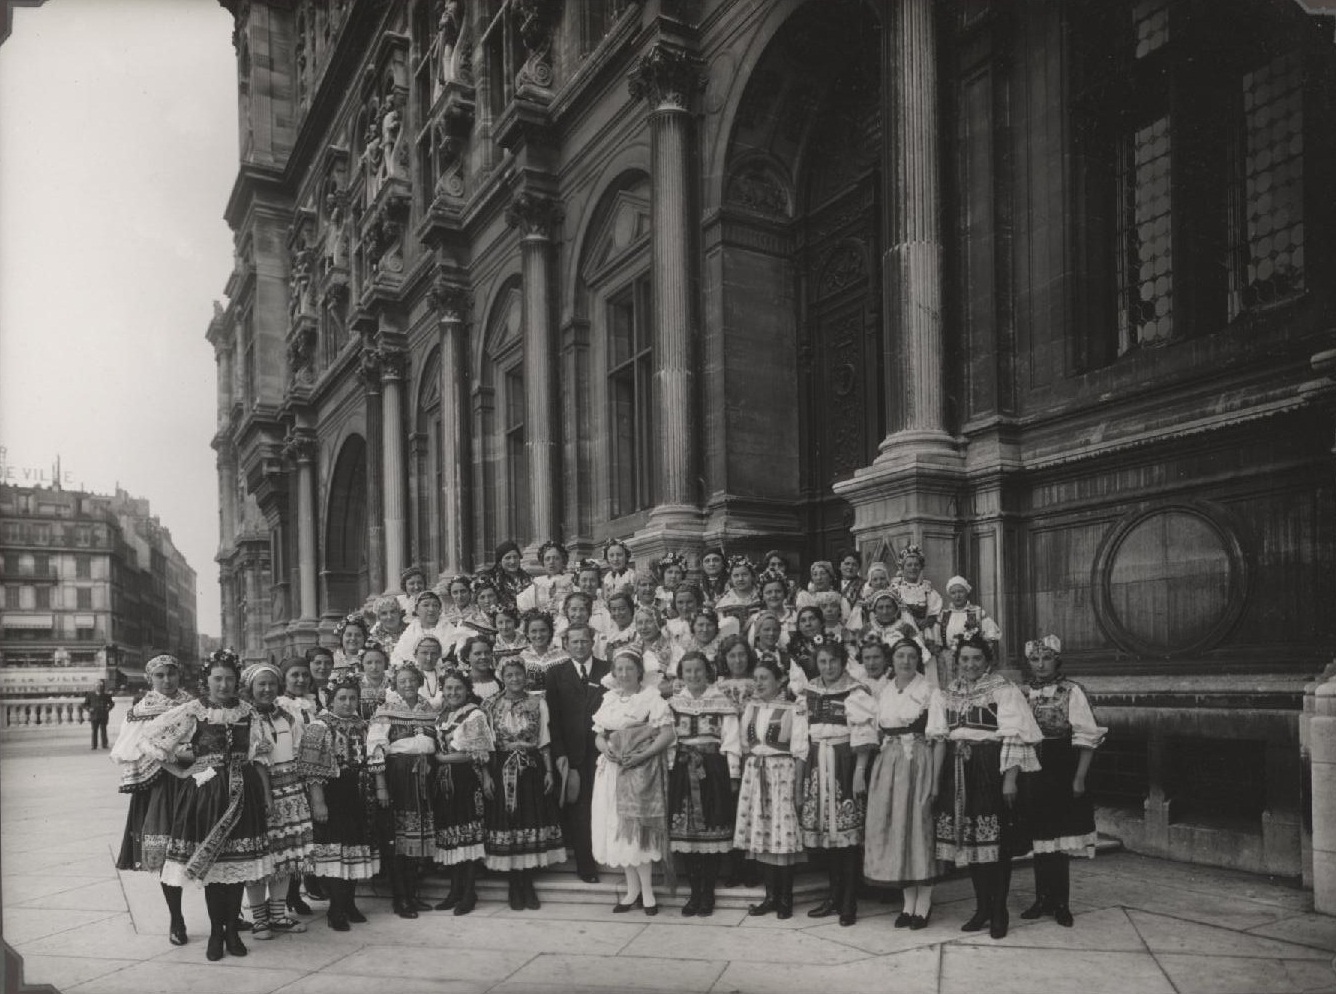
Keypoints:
pixel 118 147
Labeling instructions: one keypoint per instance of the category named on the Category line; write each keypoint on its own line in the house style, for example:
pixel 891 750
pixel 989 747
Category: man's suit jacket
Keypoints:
pixel 571 704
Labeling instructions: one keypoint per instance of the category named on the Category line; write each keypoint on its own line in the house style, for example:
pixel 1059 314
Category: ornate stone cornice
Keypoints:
pixel 535 215
pixel 666 77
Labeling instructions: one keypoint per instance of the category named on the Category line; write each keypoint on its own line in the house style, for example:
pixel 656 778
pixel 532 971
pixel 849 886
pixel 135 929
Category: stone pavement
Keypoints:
pixel 1142 925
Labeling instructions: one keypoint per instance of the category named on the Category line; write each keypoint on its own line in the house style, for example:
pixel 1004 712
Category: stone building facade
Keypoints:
pixel 1036 286
pixel 91 582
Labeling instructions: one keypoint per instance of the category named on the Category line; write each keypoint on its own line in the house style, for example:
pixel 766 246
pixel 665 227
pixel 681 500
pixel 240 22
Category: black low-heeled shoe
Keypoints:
pixel 1036 910
pixel 903 920
pixel 651 910
pixel 1063 916
pixel 917 922
pixel 620 909
pixel 355 915
pixel 213 952
pixel 977 922
pixel 176 935
pixel 299 907
pixel 824 910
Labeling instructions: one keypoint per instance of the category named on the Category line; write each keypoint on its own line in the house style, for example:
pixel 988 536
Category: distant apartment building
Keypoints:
pixel 91 583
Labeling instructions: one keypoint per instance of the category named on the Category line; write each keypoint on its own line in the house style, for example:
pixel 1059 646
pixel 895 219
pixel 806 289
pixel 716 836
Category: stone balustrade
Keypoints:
pixel 54 712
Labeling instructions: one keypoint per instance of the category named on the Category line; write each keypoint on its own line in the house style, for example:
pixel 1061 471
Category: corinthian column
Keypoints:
pixel 392 445
pixel 301 448
pixel 536 217
pixel 665 78
pixel 912 263
pixel 451 301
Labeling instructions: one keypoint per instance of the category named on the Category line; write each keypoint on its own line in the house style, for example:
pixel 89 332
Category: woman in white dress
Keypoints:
pixel 634 727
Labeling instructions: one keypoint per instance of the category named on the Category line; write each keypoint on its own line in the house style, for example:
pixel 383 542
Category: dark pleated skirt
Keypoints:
pixel 460 813
pixel 972 822
pixel 1059 822
pixel 700 802
pixel 158 795
pixel 345 845
pixel 411 780
pixel 178 820
pixel 529 835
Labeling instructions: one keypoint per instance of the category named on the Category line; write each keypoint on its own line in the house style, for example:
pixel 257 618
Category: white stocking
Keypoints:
pixel 646 873
pixel 632 885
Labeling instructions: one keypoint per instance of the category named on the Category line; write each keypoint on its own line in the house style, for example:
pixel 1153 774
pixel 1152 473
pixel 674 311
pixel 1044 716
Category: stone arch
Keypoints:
pixel 628 161
pixel 346 537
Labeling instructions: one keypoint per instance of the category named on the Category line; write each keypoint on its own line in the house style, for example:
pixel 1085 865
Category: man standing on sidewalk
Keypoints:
pixel 98 703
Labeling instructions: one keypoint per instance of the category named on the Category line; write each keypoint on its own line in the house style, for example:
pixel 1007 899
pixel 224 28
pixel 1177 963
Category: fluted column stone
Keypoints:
pixel 665 78
pixel 392 451
pixel 451 301
pixel 537 217
pixel 912 261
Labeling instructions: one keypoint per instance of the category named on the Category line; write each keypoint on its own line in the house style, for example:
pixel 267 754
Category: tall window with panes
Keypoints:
pixel 630 398
pixel 1190 123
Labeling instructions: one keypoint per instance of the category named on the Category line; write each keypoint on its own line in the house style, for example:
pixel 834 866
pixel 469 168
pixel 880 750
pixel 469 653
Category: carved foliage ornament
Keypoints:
pixel 534 215
pixel 299 445
pixel 449 299
pixel 665 77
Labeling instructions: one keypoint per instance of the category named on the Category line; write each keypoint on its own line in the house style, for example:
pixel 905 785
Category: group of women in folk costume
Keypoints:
pixel 758 718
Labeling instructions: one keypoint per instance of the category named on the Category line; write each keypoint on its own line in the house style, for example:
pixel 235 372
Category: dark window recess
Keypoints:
pixel 1119 775
pixel 1216 781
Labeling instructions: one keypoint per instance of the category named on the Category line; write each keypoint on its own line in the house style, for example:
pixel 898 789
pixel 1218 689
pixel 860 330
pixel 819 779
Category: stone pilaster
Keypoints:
pixel 369 371
pixel 452 304
pixel 392 444
pixel 665 78
pixel 301 448
pixel 538 217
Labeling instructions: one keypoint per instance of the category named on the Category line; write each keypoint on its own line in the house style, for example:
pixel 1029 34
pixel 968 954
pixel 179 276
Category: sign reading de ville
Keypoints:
pixel 32 475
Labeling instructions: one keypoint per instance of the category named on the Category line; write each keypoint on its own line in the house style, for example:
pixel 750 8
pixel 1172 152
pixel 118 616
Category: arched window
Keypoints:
pixel 616 273
pixel 429 538
pixel 502 408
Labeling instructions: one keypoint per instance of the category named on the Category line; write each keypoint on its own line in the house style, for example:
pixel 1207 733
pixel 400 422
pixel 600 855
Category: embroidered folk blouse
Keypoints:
pixel 991 709
pixel 1061 709
pixel 708 719
pixel 777 727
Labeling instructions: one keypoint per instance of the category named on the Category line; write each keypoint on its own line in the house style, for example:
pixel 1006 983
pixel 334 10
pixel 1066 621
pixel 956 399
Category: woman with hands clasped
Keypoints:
pixel 991 736
pixel 773 739
pixel 333 759
pixel 840 714
pixel 1062 817
pixel 898 848
pixel 634 730
pixel 462 784
pixel 523 824
pixel 401 743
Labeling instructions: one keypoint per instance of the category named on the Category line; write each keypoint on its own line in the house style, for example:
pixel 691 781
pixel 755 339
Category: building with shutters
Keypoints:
pixel 93 588
pixel 1035 286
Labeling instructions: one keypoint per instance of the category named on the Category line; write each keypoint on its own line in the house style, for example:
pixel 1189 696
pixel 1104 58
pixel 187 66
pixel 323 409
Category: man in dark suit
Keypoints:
pixel 574 691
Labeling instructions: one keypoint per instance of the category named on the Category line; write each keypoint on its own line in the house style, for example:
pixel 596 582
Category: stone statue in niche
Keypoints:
pixel 372 153
pixel 448 27
pixel 336 251
pixel 391 130
pixel 299 282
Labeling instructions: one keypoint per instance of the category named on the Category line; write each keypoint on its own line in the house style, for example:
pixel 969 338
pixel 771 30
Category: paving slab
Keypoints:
pixel 1308 929
pixel 64 972
pixel 104 895
pixel 333 983
pixel 997 969
pixel 914 970
pixel 604 913
pixel 567 972
pixel 433 963
pixel 197 978
pixel 1193 974
pixel 1163 934
pixel 25 925
pixel 113 937
pixel 723 943
pixel 20 888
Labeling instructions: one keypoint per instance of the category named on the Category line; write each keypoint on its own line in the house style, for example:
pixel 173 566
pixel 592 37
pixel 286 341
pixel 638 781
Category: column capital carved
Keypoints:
pixel 368 367
pixel 299 445
pixel 393 363
pixel 534 214
pixel 665 77
pixel 451 301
